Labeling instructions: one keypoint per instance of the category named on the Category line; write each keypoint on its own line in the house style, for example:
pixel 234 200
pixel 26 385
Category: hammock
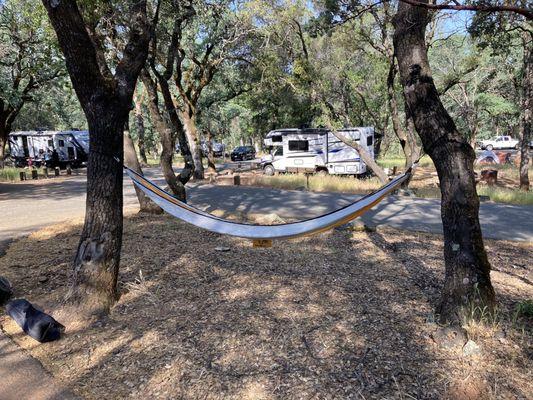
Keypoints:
pixel 310 226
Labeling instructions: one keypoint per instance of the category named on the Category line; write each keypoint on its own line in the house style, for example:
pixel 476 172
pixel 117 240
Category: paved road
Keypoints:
pixel 25 207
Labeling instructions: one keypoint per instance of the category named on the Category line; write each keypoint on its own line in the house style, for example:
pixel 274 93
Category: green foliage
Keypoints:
pixel 32 71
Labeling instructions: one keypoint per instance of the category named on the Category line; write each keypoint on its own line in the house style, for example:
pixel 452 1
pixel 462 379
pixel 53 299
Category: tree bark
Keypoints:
pixel 188 167
pixel 527 105
pixel 407 141
pixel 139 123
pixel 131 161
pixel 365 156
pixel 167 138
pixel 211 167
pixel 4 135
pixel 467 285
pixel 106 99
pixel 189 120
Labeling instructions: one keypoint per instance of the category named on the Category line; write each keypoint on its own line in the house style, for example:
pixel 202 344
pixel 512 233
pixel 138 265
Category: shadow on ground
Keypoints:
pixel 336 316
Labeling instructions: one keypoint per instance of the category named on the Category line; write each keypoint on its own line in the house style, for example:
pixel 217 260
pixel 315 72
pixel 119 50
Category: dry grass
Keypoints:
pixel 336 316
pixel 424 184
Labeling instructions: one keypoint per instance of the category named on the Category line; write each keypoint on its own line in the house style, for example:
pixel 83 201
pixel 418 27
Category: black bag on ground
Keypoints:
pixel 40 326
pixel 5 291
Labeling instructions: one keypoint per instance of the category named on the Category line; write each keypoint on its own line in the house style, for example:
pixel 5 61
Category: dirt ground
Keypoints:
pixel 343 315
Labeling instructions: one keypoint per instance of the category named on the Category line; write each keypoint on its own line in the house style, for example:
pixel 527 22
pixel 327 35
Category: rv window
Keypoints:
pixel 277 139
pixel 279 151
pixel 369 140
pixel 61 143
pixel 298 145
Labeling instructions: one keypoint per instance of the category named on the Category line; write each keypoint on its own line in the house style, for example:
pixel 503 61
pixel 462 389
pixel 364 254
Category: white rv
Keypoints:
pixel 72 147
pixel 316 150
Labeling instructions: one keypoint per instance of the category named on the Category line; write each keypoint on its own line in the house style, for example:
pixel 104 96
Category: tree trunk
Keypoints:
pixel 189 120
pixel 188 168
pixel 139 123
pixel 527 105
pixel 467 285
pixel 407 142
pixel 365 156
pixel 211 167
pixel 3 143
pixel 167 139
pixel 131 161
pixel 95 273
pixel 106 99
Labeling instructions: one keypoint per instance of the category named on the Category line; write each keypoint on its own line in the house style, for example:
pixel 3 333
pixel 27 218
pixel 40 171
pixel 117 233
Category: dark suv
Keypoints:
pixel 243 153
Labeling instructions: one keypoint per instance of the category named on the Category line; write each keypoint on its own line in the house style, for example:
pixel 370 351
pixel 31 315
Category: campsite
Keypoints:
pixel 266 199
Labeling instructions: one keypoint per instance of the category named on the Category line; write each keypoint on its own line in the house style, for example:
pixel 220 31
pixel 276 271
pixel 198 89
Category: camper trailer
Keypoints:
pixel 317 151
pixel 72 147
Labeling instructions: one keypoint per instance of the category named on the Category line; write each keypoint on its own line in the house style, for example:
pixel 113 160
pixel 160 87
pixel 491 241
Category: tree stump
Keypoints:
pixel 490 176
pixel 237 180
pixel 34 174
pixel 45 172
pixel 56 171
pixel 69 170
pixel 22 175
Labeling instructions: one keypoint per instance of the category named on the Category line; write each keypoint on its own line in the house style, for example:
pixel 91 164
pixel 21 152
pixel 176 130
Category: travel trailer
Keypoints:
pixel 72 147
pixel 317 151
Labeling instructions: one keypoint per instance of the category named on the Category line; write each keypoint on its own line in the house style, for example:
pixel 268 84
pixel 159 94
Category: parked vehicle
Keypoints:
pixel 242 153
pixel 499 143
pixel 47 147
pixel 218 148
pixel 317 151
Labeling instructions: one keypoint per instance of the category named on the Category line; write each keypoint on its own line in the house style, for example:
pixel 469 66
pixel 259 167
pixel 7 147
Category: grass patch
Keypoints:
pixel 509 196
pixel 9 174
pixel 390 162
pixel 317 183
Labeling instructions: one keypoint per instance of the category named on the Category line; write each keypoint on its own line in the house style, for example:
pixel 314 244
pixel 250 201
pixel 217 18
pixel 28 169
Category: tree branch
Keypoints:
pixel 528 13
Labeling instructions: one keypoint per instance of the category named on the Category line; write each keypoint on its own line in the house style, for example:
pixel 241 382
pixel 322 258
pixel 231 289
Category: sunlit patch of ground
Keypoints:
pixel 339 315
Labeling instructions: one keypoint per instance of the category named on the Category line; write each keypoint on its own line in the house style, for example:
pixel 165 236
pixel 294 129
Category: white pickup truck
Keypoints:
pixel 500 142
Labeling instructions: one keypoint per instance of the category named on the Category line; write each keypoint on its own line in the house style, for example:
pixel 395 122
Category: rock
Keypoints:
pixel 450 337
pixel 6 291
pixel 221 248
pixel 266 219
pixel 471 348
pixel 357 225
pixel 405 192
pixel 43 278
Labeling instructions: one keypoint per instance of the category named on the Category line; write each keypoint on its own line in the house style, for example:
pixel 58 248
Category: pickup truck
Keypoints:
pixel 500 142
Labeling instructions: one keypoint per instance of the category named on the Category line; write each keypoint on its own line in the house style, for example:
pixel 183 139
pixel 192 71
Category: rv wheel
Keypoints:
pixel 322 172
pixel 269 170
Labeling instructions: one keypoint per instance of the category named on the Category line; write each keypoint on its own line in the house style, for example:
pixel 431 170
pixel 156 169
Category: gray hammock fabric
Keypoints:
pixel 311 226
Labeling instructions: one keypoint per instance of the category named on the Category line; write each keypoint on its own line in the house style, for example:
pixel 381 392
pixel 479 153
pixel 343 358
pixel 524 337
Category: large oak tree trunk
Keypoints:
pixel 106 99
pixel 131 161
pixel 527 112
pixel 467 284
pixel 97 259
